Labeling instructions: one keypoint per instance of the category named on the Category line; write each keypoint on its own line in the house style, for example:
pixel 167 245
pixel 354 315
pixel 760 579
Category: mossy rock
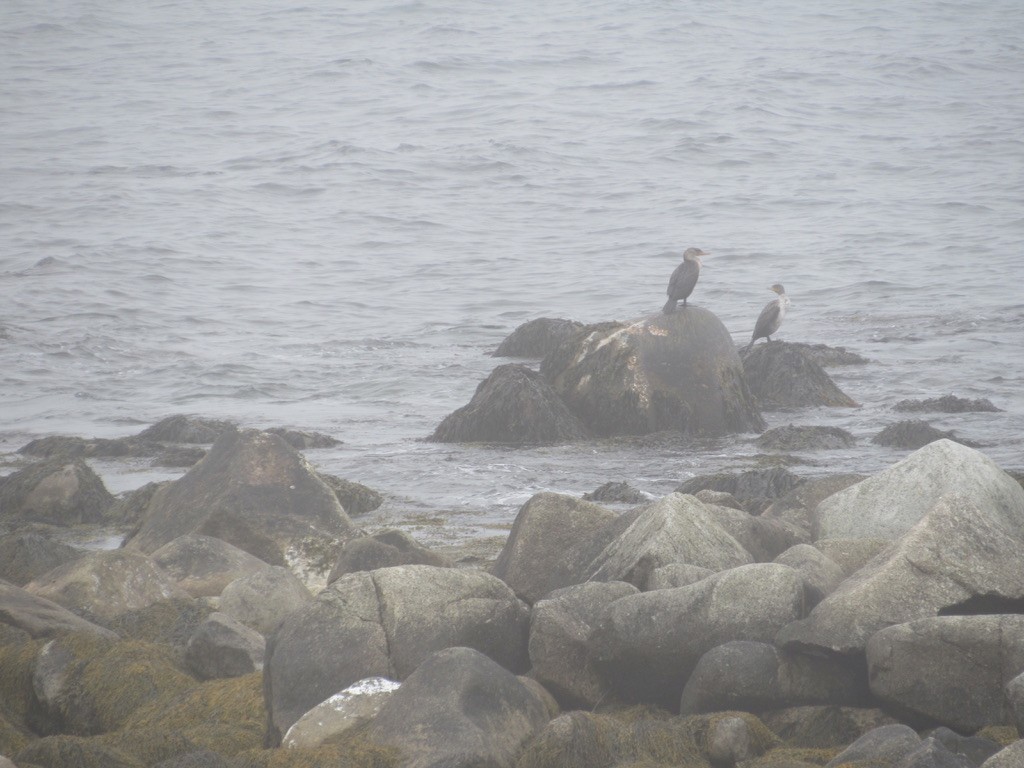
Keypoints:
pixel 171 622
pixel 790 757
pixel 226 716
pixel 13 737
pixel 66 751
pixel 17 696
pixel 149 746
pixel 111 687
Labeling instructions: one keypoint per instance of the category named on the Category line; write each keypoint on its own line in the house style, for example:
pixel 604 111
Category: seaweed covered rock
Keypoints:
pixel 357 499
pixel 947 404
pixel 59 492
pixel 204 565
pixel 66 751
pixel 512 405
pixel 25 556
pixel 805 438
pixel 755 489
pixel 781 375
pixel 186 429
pixel 552 542
pixel 383 549
pixel 250 480
pixel 301 441
pixel 459 708
pixel 666 372
pixel 913 434
pixel 537 338
pixel 824 726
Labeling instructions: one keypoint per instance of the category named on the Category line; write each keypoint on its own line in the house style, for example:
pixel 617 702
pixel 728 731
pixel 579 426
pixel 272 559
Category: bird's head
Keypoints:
pixel 778 289
pixel 693 254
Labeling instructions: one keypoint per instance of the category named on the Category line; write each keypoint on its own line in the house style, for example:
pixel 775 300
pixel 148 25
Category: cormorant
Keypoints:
pixel 680 285
pixel 771 316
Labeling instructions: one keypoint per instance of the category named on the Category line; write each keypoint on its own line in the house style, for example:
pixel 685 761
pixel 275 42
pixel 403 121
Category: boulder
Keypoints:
pixel 796 507
pixel 764 538
pixel 617 493
pixel 537 338
pixel 203 565
pixel 59 492
pixel 357 499
pixel 676 575
pixel 186 429
pixel 827 356
pixel 513 405
pixel 383 623
pixel 131 506
pixel 178 456
pixel 1009 757
pixel 263 598
pixel 199 758
pixel 552 542
pixel 106 583
pixel 754 489
pixel 824 727
pixel 1015 698
pixel 850 554
pixel 720 499
pixel 914 434
pixel 805 438
pixel 249 480
pixel 351 708
pixel 67 447
pixel 959 557
pixel 647 645
pixel 303 441
pixel 459 709
pixel 886 745
pixel 40 617
pixel 888 504
pixel 25 556
pixel 932 753
pixel 559 647
pixel 975 748
pixel 223 647
pixel 821 575
pixel 674 529
pixel 781 375
pixel 754 676
pixel 73 752
pixel 949 669
pixel 666 372
pixel 381 550
pixel 947 404
pixel 728 741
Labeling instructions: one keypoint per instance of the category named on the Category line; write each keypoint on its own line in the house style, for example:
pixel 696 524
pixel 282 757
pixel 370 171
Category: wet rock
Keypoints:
pixel 513 405
pixel 357 499
pixel 821 575
pixel 674 529
pixel 384 623
pixel 753 676
pixel 780 375
pixel 959 558
pixel 947 404
pixel 915 434
pixel 796 507
pixel 666 372
pixel 106 583
pixel 886 745
pixel 676 575
pixel 180 456
pixel 67 447
pixel 59 492
pixel 755 489
pixel 351 708
pixel 186 429
pixel 25 556
pixel 827 356
pixel 824 726
pixel 617 493
pixel 1009 757
pixel 647 645
pixel 459 709
pixel 281 496
pixel 888 504
pixel 263 598
pixel 805 438
pixel 302 441
pixel 223 647
pixel 537 338
pixel 131 506
pixel 560 629
pixel 203 565
pixel 40 617
pixel 552 542
pixel 949 669
pixel 382 550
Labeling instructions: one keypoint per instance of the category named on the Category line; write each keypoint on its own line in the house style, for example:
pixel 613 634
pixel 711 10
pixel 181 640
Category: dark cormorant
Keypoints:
pixel 680 285
pixel 770 319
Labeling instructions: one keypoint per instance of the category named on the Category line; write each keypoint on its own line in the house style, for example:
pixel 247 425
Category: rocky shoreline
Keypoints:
pixel 757 619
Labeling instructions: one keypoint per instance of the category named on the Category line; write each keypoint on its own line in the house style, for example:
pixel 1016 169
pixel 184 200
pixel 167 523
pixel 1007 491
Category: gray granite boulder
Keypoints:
pixel 886 745
pixel 252 483
pixel 204 565
pixel 676 575
pixel 552 542
pixel 647 645
pixel 459 709
pixel 888 504
pixel 383 623
pixel 263 598
pixel 223 647
pixel 755 489
pixel 753 676
pixel 949 669
pixel 351 708
pixel 560 629
pixel 796 506
pixel 383 549
pixel 106 583
pixel 851 554
pixel 40 617
pixel 677 371
pixel 764 538
pixel 675 529
pixel 59 492
pixel 1010 757
pixel 821 575
pixel 958 556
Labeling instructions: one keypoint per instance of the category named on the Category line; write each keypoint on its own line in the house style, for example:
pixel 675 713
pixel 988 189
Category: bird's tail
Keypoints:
pixel 670 307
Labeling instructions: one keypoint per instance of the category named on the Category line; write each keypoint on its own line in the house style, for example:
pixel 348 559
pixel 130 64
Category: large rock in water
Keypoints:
pixel 250 482
pixel 58 492
pixel 781 375
pixel 512 405
pixel 678 371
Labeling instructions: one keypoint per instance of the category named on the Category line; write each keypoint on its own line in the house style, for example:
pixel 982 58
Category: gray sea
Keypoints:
pixel 324 215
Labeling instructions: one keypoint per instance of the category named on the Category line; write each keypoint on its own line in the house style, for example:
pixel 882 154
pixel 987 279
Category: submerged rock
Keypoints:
pixel 947 404
pixel 805 438
pixel 780 375
pixel 666 372
pixel 915 434
pixel 512 405
pixel 537 337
